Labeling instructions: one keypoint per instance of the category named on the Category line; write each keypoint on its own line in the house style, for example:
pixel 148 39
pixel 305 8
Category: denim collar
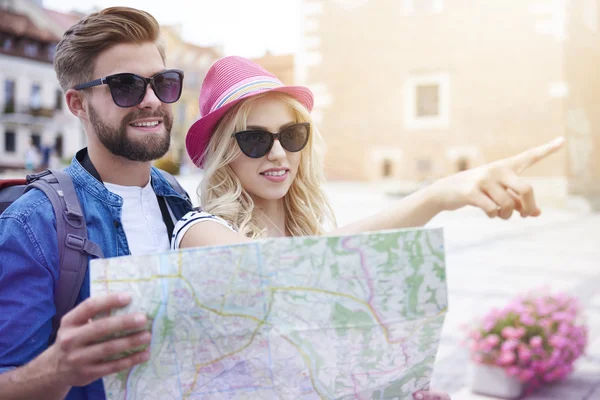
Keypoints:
pixel 86 180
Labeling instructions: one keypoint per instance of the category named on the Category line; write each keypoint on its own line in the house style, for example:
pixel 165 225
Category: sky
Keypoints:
pixel 242 27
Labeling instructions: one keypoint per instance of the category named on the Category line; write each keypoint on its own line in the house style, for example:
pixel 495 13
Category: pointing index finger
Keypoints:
pixel 522 161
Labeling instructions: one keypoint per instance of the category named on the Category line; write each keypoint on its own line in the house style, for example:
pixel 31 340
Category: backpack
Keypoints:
pixel 74 247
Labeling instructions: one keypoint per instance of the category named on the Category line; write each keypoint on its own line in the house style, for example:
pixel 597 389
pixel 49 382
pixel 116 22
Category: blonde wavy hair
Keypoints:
pixel 221 193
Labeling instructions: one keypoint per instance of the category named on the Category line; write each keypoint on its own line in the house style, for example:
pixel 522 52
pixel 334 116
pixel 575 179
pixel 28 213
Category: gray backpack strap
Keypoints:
pixel 174 184
pixel 73 244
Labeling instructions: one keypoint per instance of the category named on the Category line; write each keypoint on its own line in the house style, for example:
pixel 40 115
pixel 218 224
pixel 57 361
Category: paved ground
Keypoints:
pixel 487 266
pixel 489 261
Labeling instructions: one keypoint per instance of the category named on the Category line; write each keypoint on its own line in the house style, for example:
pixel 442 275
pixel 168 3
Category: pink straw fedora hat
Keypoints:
pixel 229 81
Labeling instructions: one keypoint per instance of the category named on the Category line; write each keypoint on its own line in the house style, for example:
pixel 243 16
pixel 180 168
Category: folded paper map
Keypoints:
pixel 351 317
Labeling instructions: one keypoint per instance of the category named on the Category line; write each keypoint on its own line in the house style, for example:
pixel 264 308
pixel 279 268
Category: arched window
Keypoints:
pixel 387 168
pixel 462 164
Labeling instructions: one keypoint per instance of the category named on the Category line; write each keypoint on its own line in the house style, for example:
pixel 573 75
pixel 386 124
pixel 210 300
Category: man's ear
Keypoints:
pixel 75 103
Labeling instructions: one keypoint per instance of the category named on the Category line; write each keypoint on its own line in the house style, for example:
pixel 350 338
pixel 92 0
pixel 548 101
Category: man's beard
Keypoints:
pixel 143 148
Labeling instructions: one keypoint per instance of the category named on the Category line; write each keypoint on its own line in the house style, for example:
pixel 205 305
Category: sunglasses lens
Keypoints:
pixel 167 86
pixel 254 144
pixel 295 137
pixel 127 89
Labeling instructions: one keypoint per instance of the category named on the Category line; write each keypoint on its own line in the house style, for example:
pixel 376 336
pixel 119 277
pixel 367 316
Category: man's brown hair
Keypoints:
pixel 76 53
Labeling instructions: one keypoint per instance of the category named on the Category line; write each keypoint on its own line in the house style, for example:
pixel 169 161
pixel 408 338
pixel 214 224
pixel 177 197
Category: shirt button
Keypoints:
pixel 116 224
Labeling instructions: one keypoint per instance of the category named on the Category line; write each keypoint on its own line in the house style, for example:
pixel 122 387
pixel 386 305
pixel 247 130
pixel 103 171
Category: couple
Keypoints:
pixel 263 175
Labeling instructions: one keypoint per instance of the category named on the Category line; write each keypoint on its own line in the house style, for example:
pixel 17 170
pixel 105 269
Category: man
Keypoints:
pixel 112 69
pixel 127 120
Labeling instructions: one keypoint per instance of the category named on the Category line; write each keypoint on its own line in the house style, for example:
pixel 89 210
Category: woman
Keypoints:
pixel 263 170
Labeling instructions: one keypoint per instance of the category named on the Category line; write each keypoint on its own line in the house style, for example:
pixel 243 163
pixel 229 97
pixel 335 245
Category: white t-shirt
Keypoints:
pixel 142 220
pixel 190 219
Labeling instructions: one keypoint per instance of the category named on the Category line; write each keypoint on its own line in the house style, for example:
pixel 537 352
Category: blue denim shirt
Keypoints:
pixel 29 263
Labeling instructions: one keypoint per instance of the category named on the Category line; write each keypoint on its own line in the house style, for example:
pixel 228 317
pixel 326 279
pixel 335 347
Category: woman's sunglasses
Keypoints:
pixel 128 90
pixel 257 143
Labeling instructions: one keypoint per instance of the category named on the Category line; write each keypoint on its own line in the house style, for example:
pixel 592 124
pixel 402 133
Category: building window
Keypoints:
pixel 9 96
pixel 419 7
pixel 424 165
pixel 387 168
pixel 7 44
pixel 385 162
pixel 31 49
pixel 36 140
pixel 462 164
pixel 35 101
pixel 58 145
pixel 10 142
pixel 426 102
pixel 51 51
pixel 59 100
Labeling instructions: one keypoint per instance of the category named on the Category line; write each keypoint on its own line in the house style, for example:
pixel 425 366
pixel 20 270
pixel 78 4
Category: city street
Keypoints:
pixel 490 261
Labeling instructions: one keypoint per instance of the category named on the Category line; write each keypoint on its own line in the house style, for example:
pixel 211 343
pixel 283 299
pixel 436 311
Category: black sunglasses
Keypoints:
pixel 256 143
pixel 128 90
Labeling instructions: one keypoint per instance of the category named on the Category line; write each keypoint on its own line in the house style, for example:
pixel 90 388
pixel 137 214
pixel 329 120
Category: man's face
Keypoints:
pixel 139 133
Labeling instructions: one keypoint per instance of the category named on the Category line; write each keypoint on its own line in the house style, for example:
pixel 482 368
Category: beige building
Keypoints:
pixel 194 61
pixel 282 66
pixel 582 105
pixel 419 89
pixel 32 107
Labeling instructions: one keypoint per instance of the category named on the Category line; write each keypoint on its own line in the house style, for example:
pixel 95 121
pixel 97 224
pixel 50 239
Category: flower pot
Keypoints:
pixel 492 380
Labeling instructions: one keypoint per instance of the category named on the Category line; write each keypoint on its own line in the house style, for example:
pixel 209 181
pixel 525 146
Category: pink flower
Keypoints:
pixel 562 317
pixel 489 324
pixel 509 345
pixel 513 333
pixel 546 323
pixel 555 374
pixel 564 329
pixel 526 375
pixel 558 341
pixel 543 309
pixel 516 306
pixel 524 353
pixel 527 319
pixel 476 335
pixel 475 346
pixel 538 366
pixel 581 342
pixel 492 340
pixel 546 357
pixel 536 342
pixel 506 358
pixel 573 308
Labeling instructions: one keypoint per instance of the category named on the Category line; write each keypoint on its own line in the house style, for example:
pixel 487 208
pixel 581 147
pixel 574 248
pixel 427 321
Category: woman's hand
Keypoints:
pixel 496 188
